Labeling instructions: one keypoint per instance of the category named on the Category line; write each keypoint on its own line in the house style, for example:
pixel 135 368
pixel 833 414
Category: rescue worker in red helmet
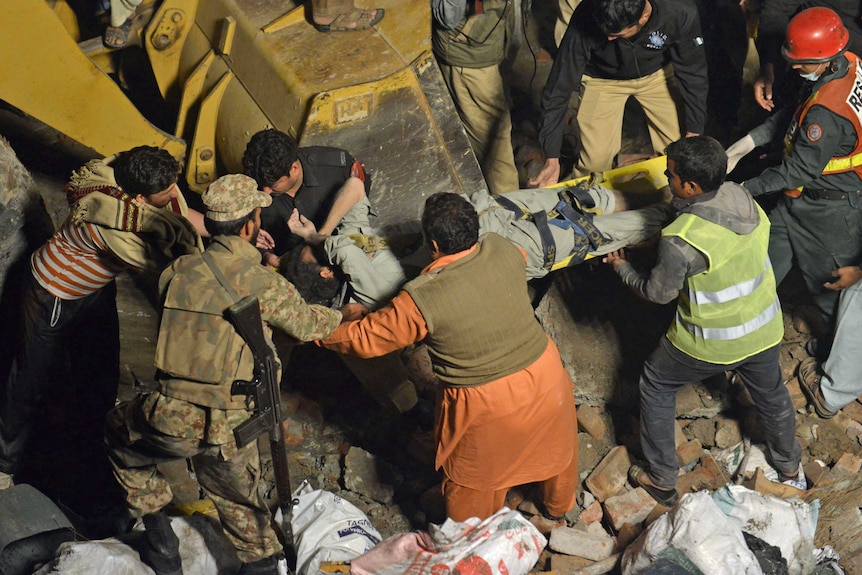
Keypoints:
pixel 817 223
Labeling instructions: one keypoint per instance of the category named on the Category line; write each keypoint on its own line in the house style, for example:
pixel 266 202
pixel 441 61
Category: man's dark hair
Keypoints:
pixel 611 16
pixel 305 276
pixel 269 156
pixel 145 170
pixel 699 159
pixel 231 228
pixel 451 221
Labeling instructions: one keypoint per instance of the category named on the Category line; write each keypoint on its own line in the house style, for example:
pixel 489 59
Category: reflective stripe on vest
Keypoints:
pixel 733 332
pixel 741 289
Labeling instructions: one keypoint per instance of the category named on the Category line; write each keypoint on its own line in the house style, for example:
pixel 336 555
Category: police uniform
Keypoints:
pixel 324 172
pixel 198 355
pixel 469 49
pixel 608 72
pixel 821 228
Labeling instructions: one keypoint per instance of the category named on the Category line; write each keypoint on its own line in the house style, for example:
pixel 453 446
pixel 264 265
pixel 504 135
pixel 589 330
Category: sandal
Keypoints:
pixel 117 37
pixel 809 381
pixel 639 477
pixel 351 21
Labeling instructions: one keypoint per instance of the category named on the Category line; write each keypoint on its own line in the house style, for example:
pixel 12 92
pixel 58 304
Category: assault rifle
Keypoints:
pixel 263 393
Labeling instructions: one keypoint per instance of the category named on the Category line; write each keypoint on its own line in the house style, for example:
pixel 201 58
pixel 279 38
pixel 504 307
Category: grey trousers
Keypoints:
pixel 842 373
pixel 668 369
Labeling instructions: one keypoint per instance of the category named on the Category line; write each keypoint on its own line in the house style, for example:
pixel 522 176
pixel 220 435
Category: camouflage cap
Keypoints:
pixel 232 197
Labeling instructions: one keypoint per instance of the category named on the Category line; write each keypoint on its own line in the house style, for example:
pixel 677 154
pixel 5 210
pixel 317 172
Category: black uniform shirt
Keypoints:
pixel 324 171
pixel 671 35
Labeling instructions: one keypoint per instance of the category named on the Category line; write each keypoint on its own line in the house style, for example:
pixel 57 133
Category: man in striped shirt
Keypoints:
pixel 70 332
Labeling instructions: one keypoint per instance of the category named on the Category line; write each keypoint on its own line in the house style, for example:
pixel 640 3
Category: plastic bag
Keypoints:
pixel 698 528
pixel 328 528
pixel 503 544
pixel 788 524
pixel 204 549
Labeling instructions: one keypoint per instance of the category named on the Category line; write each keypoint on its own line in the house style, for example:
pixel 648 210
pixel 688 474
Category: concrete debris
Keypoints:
pixel 362 474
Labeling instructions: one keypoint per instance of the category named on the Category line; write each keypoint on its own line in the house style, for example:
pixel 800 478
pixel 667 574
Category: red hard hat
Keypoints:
pixel 814 36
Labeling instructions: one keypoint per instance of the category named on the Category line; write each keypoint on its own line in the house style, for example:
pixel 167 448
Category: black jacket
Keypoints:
pixel 671 36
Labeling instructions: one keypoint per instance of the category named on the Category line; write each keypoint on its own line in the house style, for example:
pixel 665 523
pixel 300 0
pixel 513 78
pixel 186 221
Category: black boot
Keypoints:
pixel 161 548
pixel 267 566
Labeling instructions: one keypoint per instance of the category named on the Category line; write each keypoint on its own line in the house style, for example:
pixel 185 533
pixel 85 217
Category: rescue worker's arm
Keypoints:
pixel 689 65
pixel 771 28
pixel 676 261
pixel 351 193
pixel 283 308
pixel 820 138
pixel 564 79
pixel 763 87
pixel 392 327
pixel 847 276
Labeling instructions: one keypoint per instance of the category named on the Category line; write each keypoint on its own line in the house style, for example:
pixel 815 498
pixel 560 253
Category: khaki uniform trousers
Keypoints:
pixel 480 99
pixel 567 8
pixel 229 476
pixel 600 116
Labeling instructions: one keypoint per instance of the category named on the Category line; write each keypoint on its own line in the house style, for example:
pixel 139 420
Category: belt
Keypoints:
pixel 815 194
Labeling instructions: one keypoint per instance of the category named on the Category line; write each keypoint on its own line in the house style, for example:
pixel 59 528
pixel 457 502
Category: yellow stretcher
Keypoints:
pixel 645 176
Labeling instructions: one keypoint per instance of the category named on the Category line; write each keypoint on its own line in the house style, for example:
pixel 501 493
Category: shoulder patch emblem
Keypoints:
pixel 657 40
pixel 815 132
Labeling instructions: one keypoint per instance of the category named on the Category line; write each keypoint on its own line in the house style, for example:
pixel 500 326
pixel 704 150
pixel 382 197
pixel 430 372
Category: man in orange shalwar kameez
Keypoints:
pixel 506 411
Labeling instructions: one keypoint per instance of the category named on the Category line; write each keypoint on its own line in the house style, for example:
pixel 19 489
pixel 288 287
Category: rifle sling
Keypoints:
pixel 208 258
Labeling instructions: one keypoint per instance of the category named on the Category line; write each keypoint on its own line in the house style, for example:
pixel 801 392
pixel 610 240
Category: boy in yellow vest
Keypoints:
pixel 713 259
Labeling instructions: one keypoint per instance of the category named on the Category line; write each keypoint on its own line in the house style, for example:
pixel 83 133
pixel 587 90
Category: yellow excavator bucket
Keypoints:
pixel 225 69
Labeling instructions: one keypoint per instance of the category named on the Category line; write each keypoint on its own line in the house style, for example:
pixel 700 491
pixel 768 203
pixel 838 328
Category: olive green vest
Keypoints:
pixel 199 353
pixel 480 322
pixel 479 41
pixel 730 311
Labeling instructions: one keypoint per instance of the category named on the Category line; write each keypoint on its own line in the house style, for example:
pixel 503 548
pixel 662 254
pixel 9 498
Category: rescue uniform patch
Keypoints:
pixel 815 132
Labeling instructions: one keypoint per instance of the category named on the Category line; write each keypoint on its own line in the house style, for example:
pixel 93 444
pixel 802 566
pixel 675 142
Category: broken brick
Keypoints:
pixel 814 471
pixel 707 475
pixel 630 507
pixel 678 436
pixel 568 563
pixel 590 420
pixel 581 544
pixel 687 400
pixel 853 410
pixel 761 484
pixel 727 432
pixel 609 476
pixel 689 452
pixel 847 465
pixel 591 514
pixel 702 429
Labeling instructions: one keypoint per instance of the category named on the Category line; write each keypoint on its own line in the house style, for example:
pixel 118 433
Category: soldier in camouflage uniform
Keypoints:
pixel 199 354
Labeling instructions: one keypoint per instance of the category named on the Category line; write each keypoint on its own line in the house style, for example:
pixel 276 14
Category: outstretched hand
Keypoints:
pixel 549 175
pixel 615 258
pixel 300 225
pixel 737 150
pixel 847 276
pixel 264 240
